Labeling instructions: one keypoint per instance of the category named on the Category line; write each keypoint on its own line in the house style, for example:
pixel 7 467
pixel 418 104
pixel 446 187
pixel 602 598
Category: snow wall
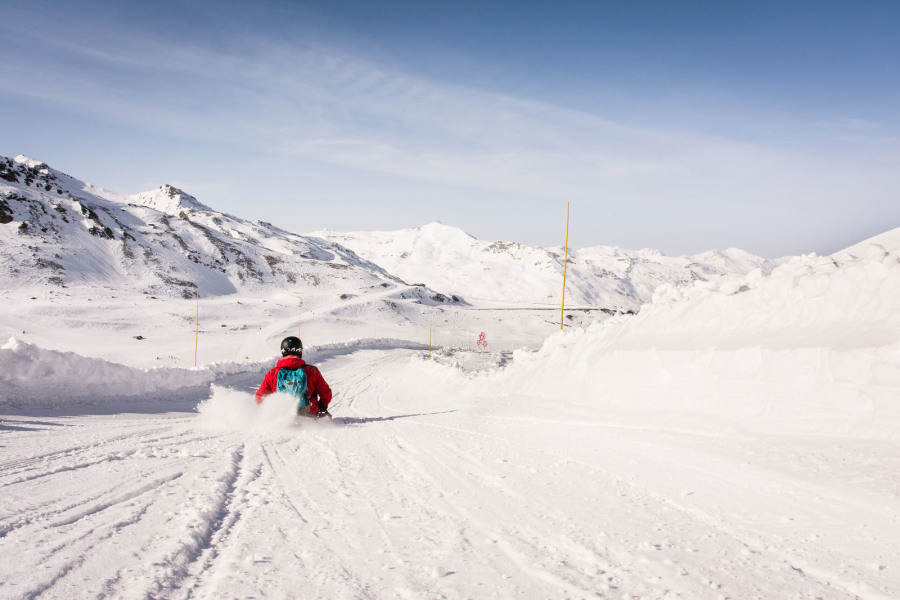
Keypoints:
pixel 31 376
pixel 35 377
pixel 814 347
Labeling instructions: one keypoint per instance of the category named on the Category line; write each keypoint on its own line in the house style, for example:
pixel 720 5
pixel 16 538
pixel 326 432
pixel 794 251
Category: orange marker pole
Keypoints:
pixel 562 312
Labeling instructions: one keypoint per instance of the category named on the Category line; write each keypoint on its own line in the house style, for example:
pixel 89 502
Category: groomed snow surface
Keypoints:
pixel 737 439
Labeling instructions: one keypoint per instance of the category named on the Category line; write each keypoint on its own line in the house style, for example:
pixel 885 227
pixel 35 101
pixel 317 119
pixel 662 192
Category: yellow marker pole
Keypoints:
pixel 197 334
pixel 562 312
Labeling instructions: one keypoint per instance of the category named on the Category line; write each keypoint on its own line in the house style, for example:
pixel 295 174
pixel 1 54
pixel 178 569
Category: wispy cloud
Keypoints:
pixel 320 102
pixel 323 103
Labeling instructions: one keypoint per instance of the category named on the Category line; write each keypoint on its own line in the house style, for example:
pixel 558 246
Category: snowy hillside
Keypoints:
pixel 735 439
pixel 813 347
pixel 607 277
pixel 58 230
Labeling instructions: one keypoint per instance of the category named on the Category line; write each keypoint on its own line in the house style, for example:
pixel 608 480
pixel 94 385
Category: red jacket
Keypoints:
pixel 317 390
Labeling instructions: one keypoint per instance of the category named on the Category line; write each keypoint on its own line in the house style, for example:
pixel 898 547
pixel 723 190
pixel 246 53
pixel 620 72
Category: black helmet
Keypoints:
pixel 291 345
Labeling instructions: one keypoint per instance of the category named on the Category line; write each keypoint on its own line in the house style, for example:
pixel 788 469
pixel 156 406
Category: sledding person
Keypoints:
pixel 293 376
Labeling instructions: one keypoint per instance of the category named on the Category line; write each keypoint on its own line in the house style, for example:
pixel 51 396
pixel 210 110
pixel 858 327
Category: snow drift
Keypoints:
pixel 814 347
pixel 35 377
pixel 39 377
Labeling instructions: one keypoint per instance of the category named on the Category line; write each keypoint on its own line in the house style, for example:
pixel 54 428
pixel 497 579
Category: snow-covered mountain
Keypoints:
pixel 606 277
pixel 61 231
pixel 57 230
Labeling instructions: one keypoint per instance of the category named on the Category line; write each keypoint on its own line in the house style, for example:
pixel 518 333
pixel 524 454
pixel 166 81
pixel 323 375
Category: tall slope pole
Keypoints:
pixel 562 310
pixel 197 335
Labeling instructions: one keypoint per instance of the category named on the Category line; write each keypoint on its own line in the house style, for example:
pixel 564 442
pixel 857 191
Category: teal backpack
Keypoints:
pixel 293 382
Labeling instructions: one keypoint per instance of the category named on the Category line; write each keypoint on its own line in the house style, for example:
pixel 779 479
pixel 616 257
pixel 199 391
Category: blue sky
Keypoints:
pixel 680 126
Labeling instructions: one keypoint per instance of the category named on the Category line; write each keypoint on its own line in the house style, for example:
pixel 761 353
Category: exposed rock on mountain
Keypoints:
pixel 62 231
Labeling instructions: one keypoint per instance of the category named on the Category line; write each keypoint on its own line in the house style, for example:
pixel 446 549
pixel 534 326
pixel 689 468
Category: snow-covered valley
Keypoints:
pixel 737 437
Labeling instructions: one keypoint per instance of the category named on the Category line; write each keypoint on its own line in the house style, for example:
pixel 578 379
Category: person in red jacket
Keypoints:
pixel 303 381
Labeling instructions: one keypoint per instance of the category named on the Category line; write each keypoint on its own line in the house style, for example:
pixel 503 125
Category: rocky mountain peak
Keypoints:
pixel 168 199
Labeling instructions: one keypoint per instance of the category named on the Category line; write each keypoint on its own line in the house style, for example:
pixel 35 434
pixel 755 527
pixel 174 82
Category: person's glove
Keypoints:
pixel 323 413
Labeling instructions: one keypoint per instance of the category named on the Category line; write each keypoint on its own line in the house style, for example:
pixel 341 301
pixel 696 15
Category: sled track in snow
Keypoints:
pixel 403 495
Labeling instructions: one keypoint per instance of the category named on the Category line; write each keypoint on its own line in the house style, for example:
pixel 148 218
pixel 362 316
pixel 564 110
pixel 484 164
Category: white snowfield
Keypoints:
pixel 736 439
pixel 448 259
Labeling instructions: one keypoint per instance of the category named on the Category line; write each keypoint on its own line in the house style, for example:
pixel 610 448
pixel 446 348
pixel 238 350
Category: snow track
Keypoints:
pixel 412 492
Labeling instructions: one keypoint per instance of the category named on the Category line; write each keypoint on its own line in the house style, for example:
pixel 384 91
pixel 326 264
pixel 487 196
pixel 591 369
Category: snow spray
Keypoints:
pixel 233 410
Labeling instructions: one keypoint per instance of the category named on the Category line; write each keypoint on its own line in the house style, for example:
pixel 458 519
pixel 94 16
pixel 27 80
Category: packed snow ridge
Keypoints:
pixel 812 347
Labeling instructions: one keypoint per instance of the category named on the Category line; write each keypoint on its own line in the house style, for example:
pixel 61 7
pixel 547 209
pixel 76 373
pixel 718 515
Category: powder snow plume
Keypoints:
pixel 230 410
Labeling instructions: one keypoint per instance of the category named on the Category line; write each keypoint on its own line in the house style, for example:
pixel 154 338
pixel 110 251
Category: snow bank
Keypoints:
pixel 814 347
pixel 323 352
pixel 38 377
pixel 31 376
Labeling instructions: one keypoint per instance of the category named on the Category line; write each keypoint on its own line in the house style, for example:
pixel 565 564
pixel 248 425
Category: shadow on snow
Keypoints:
pixel 364 420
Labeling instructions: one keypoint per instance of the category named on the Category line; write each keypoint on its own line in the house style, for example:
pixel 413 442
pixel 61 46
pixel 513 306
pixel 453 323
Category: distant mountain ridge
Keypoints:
pixel 57 230
pixel 605 277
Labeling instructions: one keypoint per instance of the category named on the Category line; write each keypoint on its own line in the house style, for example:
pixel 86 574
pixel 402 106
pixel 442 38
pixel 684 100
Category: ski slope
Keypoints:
pixel 736 438
pixel 411 493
